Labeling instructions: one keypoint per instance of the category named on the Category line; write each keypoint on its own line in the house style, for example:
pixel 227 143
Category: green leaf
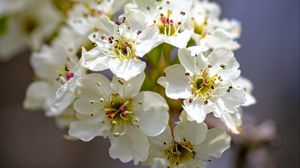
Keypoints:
pixel 3 25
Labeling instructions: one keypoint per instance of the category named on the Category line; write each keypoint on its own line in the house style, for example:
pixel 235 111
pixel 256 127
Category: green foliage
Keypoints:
pixel 3 25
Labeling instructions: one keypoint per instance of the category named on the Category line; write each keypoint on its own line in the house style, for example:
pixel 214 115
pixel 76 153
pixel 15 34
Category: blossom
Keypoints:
pixel 190 145
pixel 119 111
pixel 121 46
pixel 85 15
pixel 205 83
pixel 209 31
pixel 27 26
pixel 168 17
pixel 65 94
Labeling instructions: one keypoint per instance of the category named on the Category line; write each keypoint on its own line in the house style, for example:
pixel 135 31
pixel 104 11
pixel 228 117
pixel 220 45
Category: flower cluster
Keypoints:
pixel 143 74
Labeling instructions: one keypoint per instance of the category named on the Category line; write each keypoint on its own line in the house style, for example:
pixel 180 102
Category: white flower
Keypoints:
pixel 206 83
pixel 190 145
pixel 65 94
pixel 168 17
pixel 45 66
pixel 208 29
pixel 120 47
pixel 85 15
pixel 28 27
pixel 118 110
pixel 53 66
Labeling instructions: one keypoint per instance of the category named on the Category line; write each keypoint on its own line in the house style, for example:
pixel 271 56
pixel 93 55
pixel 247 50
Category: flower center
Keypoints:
pixel 180 152
pixel 119 110
pixel 29 24
pixel 168 26
pixel 123 48
pixel 200 28
pixel 203 84
pixel 120 115
pixel 64 74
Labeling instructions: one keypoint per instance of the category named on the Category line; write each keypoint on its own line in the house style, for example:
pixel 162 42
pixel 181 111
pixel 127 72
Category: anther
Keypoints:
pixel 222 66
pixel 101 99
pixel 122 83
pixel 116 134
pixel 137 119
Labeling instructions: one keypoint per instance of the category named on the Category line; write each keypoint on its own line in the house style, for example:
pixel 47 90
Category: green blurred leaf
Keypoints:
pixel 3 25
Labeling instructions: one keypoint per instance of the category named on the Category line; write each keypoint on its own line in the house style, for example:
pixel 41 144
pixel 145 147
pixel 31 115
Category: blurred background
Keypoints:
pixel 269 57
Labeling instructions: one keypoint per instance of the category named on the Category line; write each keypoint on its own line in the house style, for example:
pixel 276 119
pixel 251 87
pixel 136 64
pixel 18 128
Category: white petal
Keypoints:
pixel 133 145
pixel 147 40
pixel 64 97
pixel 180 40
pixel 152 111
pixel 128 89
pixel 192 59
pixel 95 86
pixel 176 82
pixel 216 142
pixel 107 26
pixel 190 131
pixel 233 121
pixel 221 39
pixel 224 57
pixel 197 110
pixel 247 86
pixel 38 96
pixel 230 101
pixel 45 63
pixel 89 129
pixel 94 59
pixel 84 106
pixel 126 69
pixel 135 19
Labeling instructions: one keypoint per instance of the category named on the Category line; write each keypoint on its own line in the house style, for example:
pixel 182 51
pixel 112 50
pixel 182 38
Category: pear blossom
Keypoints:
pixel 209 31
pixel 27 26
pixel 119 111
pixel 65 94
pixel 205 83
pixel 168 17
pixel 190 145
pixel 85 15
pixel 123 36
pixel 121 46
